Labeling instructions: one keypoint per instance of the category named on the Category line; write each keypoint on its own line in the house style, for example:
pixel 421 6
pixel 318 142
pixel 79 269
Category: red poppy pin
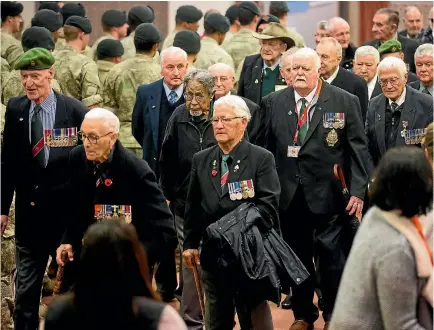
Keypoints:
pixel 108 182
pixel 214 168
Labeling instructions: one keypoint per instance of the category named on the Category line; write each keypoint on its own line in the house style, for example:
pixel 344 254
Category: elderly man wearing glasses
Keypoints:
pixel 222 178
pixel 107 180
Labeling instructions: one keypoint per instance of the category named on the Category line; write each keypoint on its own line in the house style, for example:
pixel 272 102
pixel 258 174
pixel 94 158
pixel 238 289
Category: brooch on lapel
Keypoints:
pixel 108 182
pixel 214 168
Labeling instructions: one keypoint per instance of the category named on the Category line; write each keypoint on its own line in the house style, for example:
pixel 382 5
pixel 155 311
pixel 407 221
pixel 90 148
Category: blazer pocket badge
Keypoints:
pixel 105 212
pixel 61 137
pixel 241 190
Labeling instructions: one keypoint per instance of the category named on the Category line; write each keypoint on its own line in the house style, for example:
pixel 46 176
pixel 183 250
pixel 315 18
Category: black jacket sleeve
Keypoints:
pixel 137 119
pixel 363 96
pixel 169 160
pixel 241 82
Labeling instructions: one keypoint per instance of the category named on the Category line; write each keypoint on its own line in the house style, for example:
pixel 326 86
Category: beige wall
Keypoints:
pixel 28 12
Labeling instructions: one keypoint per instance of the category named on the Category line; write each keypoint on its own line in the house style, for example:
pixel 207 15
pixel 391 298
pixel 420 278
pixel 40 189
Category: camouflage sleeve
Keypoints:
pixel 90 85
pixel 227 60
pixel 125 89
pixel 55 85
pixel 13 53
pixel 12 87
pixel 109 97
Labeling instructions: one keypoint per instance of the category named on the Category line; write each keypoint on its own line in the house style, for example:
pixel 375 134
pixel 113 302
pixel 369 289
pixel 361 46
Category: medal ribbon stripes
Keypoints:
pixel 414 136
pixel 105 211
pixel 241 190
pixel 334 120
pixel 61 137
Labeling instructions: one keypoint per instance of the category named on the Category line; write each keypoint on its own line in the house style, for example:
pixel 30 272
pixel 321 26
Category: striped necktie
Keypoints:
pixel 425 91
pixel 303 128
pixel 225 171
pixel 37 136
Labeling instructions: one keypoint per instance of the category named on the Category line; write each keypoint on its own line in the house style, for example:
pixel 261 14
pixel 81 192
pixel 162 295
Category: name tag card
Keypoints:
pixel 293 151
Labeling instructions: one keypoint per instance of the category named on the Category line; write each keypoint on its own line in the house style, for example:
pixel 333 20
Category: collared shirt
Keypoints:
pixel 310 101
pixel 101 169
pixel 48 116
pixel 179 90
pixel 422 88
pixel 400 99
pixel 333 76
pixel 271 67
pixel 371 85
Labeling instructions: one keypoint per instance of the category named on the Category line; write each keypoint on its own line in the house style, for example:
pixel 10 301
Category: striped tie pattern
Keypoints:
pixel 37 136
pixel 225 171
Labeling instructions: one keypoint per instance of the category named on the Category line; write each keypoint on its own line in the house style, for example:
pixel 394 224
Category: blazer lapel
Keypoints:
pixel 24 120
pixel 339 80
pixel 257 79
pixel 238 165
pixel 291 116
pixel 154 111
pixel 380 122
pixel 318 111
pixel 214 165
pixel 60 121
pixel 407 116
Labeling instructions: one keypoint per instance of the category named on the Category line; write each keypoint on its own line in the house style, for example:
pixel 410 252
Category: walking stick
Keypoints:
pixel 199 288
pixel 59 275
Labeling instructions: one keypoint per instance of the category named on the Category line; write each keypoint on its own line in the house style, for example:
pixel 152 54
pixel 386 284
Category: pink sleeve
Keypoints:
pixel 170 320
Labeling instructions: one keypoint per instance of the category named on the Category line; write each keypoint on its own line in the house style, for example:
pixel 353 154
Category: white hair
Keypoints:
pixel 307 52
pixel 332 22
pixel 237 103
pixel 334 42
pixel 410 8
pixel 424 50
pixel 368 50
pixel 291 51
pixel 389 63
pixel 222 67
pixel 108 117
pixel 172 51
pixel 322 25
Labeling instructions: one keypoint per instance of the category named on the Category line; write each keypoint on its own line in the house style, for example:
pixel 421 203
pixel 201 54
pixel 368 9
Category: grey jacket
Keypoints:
pixel 380 287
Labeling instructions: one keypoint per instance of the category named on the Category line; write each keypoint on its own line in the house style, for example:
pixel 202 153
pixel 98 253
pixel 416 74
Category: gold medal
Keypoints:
pixel 332 138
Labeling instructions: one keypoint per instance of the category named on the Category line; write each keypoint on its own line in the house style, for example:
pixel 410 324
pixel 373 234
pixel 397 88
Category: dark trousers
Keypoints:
pixel 299 227
pixel 165 276
pixel 31 264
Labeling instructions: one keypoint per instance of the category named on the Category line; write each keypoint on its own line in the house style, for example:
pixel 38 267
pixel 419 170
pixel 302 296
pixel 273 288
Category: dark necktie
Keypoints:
pixel 225 171
pixel 394 106
pixel 425 91
pixel 303 128
pixel 172 97
pixel 37 136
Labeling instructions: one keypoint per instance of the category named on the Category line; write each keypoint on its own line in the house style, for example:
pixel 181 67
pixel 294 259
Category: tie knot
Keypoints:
pixel 37 109
pixel 225 158
pixel 394 106
pixel 172 96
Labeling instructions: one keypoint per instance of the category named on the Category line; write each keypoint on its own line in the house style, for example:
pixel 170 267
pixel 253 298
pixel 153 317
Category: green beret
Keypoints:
pixel 279 6
pixel 10 8
pixel 232 13
pixel 109 48
pixel 37 36
pixel 114 17
pixel 189 14
pixel 35 59
pixel 187 40
pixel 250 6
pixel 72 9
pixel 140 14
pixel 79 22
pixel 52 5
pixel 391 46
pixel 49 19
pixel 218 22
pixel 148 32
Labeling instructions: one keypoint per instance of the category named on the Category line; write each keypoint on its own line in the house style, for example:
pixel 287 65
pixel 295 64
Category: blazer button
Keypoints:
pixel 36 187
pixel 32 204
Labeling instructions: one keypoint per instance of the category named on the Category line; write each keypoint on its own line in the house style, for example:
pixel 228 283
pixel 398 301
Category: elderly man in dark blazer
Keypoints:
pixel 399 115
pixel 424 69
pixel 385 27
pixel 310 127
pixel 40 131
pixel 107 180
pixel 260 74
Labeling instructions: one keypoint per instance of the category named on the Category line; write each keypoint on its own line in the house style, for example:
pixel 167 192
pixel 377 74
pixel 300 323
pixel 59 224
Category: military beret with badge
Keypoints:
pixel 35 59
pixel 390 46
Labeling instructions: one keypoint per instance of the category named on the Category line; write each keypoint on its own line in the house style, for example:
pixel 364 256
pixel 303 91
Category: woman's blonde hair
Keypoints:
pixel 427 140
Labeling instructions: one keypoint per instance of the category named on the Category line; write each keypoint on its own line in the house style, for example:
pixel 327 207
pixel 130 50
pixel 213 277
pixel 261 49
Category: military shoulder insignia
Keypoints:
pixel 104 212
pixel 61 137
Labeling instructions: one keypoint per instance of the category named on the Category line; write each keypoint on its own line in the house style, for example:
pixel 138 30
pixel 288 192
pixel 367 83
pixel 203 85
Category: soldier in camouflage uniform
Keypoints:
pixel 187 18
pixel 11 18
pixel 243 43
pixel 123 80
pixel 189 42
pixel 216 26
pixel 109 53
pixel 137 15
pixel 5 71
pixel 32 37
pixel 50 20
pixel 76 73
pixel 114 25
pixel 68 10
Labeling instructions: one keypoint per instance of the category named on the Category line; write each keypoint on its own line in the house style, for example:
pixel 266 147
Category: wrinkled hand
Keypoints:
pixel 4 223
pixel 60 249
pixel 355 206
pixel 191 256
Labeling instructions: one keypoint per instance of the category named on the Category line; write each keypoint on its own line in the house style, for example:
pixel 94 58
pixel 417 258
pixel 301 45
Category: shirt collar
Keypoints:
pixel 308 98
pixel 373 82
pixel 271 67
pixel 45 104
pixel 179 90
pixel 102 167
pixel 400 99
pixel 333 76
pixel 422 87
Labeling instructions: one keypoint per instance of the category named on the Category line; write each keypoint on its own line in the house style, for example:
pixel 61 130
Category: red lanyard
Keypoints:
pixel 304 117
pixel 418 226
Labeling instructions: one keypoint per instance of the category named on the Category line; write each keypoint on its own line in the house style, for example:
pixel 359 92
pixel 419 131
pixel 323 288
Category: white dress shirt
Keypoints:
pixel 400 99
pixel 311 101
pixel 371 85
pixel 179 90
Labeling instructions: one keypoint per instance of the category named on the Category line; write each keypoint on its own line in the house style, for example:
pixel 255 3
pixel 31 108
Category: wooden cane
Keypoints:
pixel 199 288
pixel 60 272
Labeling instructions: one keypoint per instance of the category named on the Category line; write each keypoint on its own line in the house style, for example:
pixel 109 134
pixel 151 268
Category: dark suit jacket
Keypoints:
pixel 250 83
pixel 135 184
pixel 355 85
pixel 348 57
pixel 412 80
pixel 417 111
pixel 254 123
pixel 409 47
pixel 314 166
pixel 206 203
pixel 41 199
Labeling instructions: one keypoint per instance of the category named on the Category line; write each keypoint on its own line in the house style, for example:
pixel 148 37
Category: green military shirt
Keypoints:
pixel 11 48
pixel 211 53
pixel 77 76
pixel 168 42
pixel 103 69
pixel 120 89
pixel 241 45
pixel 61 44
pixel 14 87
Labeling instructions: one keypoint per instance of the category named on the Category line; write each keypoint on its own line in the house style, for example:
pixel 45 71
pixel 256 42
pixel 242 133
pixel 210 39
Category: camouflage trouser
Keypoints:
pixel 7 268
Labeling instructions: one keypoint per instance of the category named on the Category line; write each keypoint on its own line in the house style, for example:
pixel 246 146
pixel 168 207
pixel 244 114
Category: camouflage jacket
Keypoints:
pixel 120 89
pixel 168 42
pixel 61 44
pixel 11 48
pixel 241 45
pixel 130 48
pixel 13 86
pixel 211 53
pixel 103 69
pixel 77 76
pixel 95 44
pixel 5 71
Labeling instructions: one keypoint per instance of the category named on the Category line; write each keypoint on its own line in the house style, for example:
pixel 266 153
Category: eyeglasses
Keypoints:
pixel 392 81
pixel 93 139
pixel 224 120
pixel 199 98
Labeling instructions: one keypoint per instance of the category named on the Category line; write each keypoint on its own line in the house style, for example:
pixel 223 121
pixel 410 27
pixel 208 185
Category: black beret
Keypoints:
pixel 110 48
pixel 279 6
pixel 232 13
pixel 187 40
pixel 250 6
pixel 80 22
pixel 48 19
pixel 140 14
pixel 10 8
pixel 148 32
pixel 37 36
pixel 49 5
pixel 114 17
pixel 72 9
pixel 218 22
pixel 188 14
pixel 264 19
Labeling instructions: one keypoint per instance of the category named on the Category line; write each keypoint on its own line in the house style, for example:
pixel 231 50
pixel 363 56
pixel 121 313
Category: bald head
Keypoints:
pixel 339 29
pixel 224 79
pixel 413 21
